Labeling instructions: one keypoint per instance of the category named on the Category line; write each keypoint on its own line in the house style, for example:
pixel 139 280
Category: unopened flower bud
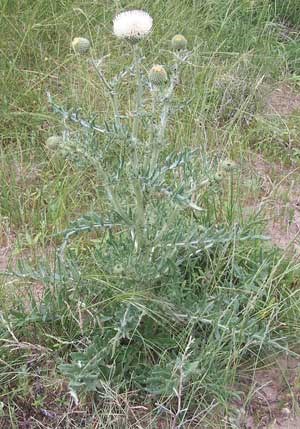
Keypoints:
pixel 227 165
pixel 158 75
pixel 54 142
pixel 218 177
pixel 118 269
pixel 81 45
pixel 179 42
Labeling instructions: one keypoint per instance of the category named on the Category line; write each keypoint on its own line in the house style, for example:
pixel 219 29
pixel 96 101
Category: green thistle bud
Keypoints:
pixel 118 269
pixel 227 165
pixel 179 42
pixel 158 75
pixel 54 142
pixel 81 45
pixel 218 177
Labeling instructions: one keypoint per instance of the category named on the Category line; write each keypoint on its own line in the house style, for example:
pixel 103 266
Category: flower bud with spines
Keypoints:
pixel 218 177
pixel 54 142
pixel 227 165
pixel 81 45
pixel 118 269
pixel 158 75
pixel 179 42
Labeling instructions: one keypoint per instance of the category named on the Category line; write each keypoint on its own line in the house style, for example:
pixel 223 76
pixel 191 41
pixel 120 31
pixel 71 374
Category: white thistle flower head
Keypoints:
pixel 132 25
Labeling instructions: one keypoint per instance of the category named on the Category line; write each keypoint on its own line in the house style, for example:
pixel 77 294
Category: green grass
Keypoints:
pixel 124 334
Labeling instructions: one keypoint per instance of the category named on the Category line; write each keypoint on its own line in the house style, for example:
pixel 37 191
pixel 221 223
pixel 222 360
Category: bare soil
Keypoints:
pixel 278 201
pixel 282 101
pixel 274 397
pixel 7 239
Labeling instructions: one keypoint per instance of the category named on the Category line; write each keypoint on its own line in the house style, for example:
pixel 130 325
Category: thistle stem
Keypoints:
pixel 109 192
pixel 164 116
pixel 138 100
pixel 113 95
pixel 153 143
pixel 167 104
pixel 137 185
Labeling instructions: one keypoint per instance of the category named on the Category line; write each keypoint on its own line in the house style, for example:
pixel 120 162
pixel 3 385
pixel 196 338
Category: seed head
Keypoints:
pixel 179 42
pixel 81 45
pixel 132 25
pixel 158 75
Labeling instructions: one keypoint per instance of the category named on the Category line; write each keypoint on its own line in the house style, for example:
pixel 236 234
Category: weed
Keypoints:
pixel 160 288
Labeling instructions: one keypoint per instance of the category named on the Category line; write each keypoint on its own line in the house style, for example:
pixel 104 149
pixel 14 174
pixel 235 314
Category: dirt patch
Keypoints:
pixel 290 424
pixel 282 101
pixel 284 227
pixel 278 201
pixel 7 238
pixel 43 406
pixel 273 402
pixel 274 397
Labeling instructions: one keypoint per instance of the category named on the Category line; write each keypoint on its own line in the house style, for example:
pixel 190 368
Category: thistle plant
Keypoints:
pixel 146 171
pixel 143 295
